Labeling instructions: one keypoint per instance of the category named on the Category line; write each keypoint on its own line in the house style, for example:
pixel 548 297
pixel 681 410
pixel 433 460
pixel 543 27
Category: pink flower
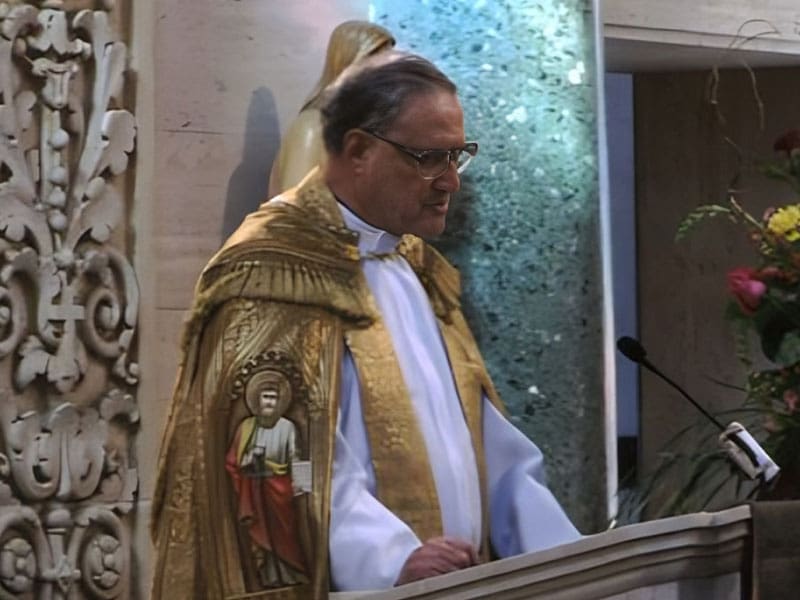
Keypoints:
pixel 745 286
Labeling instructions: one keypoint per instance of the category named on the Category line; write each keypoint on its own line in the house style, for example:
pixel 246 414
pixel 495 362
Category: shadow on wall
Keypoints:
pixel 247 187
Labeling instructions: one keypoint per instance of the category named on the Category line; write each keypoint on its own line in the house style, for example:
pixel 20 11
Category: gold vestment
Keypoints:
pixel 286 293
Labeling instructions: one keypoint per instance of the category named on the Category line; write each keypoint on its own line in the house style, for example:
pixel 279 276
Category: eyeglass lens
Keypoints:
pixel 435 163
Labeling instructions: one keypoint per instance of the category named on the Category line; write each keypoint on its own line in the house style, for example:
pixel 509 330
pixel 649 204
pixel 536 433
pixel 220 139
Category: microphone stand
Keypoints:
pixel 742 449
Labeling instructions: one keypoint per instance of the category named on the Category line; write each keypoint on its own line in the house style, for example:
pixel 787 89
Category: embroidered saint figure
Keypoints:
pixel 259 461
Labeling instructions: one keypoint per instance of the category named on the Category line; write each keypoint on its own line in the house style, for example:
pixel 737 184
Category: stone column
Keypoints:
pixel 69 302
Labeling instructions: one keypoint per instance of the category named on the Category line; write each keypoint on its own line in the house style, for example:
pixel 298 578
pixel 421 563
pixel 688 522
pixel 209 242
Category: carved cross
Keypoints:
pixel 66 310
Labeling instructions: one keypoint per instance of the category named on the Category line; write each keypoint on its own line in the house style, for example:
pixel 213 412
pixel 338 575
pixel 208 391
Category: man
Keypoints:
pixel 415 472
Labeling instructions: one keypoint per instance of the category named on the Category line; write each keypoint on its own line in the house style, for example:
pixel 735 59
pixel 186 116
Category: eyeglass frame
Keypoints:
pixel 418 155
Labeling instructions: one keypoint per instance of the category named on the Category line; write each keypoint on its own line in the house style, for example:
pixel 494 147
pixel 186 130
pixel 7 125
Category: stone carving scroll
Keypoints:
pixel 68 304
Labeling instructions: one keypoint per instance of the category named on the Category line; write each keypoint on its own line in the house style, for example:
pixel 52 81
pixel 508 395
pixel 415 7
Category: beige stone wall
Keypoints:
pixel 217 83
pixel 651 35
pixel 768 26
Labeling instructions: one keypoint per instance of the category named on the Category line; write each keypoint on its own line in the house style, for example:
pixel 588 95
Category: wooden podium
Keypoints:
pixel 703 556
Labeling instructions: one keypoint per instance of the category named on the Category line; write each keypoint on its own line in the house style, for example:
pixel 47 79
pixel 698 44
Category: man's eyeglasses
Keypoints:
pixel 434 163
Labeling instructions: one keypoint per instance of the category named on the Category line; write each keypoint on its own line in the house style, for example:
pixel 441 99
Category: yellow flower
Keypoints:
pixel 785 222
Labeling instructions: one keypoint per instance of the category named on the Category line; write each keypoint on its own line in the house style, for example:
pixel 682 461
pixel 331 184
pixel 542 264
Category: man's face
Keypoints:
pixel 267 401
pixel 392 194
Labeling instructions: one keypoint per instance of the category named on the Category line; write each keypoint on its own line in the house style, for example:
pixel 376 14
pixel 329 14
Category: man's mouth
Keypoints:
pixel 443 203
pixel 439 207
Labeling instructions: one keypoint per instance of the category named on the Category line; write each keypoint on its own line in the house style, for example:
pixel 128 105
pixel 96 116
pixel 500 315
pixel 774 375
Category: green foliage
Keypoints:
pixel 787 170
pixel 692 474
pixel 699 214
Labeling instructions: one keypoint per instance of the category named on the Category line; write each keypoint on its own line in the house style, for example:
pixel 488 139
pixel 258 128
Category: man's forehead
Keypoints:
pixel 431 110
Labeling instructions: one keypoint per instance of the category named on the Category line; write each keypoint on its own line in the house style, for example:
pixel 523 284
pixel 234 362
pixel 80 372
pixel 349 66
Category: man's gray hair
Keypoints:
pixel 370 94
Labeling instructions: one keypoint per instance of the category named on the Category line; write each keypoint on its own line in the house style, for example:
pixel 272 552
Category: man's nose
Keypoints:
pixel 450 180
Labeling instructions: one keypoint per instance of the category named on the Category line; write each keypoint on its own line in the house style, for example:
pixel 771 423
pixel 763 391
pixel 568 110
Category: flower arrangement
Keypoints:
pixel 764 305
pixel 765 300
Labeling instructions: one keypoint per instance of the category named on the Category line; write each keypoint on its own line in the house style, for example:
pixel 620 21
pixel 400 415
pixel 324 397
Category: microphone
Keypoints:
pixel 740 446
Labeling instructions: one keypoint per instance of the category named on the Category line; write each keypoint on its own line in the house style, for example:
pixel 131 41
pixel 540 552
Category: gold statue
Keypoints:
pixel 302 148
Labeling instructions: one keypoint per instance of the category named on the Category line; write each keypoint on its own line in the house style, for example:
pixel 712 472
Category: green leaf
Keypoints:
pixel 741 339
pixel 700 213
pixel 794 164
pixel 788 172
pixel 789 349
pixel 778 316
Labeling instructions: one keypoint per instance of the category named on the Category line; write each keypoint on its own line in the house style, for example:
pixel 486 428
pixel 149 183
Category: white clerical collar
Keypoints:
pixel 371 240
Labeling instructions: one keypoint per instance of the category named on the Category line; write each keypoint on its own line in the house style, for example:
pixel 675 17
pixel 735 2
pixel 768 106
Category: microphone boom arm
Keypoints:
pixel 743 450
pixel 646 363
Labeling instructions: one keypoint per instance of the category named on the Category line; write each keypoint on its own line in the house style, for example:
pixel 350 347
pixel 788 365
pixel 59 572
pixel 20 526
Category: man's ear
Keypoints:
pixel 356 148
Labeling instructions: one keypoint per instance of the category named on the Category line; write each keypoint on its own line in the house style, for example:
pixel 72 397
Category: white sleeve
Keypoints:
pixel 368 544
pixel 524 514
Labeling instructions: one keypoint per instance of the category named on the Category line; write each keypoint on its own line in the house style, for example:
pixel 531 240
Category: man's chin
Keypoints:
pixel 432 228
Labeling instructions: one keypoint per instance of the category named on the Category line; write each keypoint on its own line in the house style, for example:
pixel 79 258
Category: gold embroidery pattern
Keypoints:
pixel 471 378
pixel 396 443
pixel 440 279
pixel 245 324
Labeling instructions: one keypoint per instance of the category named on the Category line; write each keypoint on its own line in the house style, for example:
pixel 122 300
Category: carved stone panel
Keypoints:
pixel 68 304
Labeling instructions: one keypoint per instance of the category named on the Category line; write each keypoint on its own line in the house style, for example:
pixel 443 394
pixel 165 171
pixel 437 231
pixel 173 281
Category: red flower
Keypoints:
pixel 745 286
pixel 788 142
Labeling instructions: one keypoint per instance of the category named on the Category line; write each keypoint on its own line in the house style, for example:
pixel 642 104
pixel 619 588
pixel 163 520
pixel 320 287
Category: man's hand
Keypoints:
pixel 437 556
